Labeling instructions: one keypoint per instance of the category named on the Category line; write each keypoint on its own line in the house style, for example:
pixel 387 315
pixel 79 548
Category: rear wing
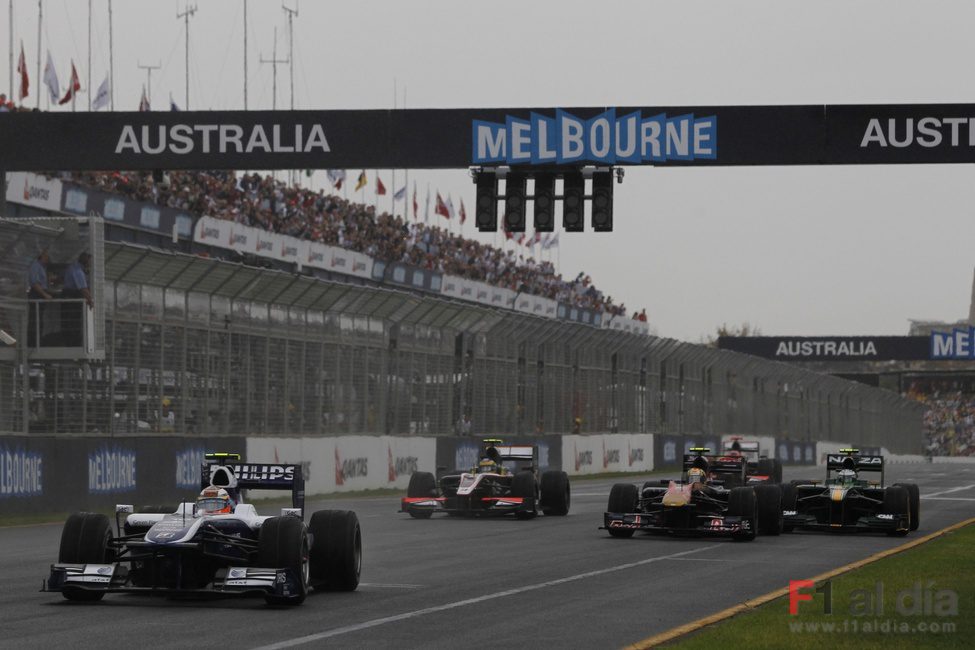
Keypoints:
pixel 519 453
pixel 743 447
pixel 836 462
pixel 227 470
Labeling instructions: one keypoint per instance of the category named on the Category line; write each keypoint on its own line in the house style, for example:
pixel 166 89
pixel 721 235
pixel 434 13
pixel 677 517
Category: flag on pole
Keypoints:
pixel 426 212
pixel 400 194
pixel 101 98
pixel 172 104
pixel 51 79
pixel 463 212
pixel 380 188
pixel 336 177
pixel 521 240
pixel 551 243
pixel 144 102
pixel 450 207
pixel 362 181
pixel 73 86
pixel 545 240
pixel 441 208
pixel 22 71
pixel 416 206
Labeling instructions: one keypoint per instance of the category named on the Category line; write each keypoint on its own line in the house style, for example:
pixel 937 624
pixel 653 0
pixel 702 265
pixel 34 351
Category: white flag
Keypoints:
pixel 426 212
pixel 450 208
pixel 554 241
pixel 336 177
pixel 400 194
pixel 51 79
pixel 101 98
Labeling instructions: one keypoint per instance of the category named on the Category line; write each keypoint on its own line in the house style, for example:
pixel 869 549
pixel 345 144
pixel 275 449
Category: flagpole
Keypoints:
pixel 111 60
pixel 245 55
pixel 40 18
pixel 11 11
pixel 88 88
pixel 392 199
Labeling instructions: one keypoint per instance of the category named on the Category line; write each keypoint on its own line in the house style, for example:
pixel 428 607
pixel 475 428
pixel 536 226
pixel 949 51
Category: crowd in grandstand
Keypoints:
pixel 264 202
pixel 949 419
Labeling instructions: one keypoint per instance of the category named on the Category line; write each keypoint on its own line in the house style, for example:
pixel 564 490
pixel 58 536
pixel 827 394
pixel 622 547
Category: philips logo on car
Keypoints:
pixel 605 138
pixel 111 469
pixel 188 464
pixel 21 473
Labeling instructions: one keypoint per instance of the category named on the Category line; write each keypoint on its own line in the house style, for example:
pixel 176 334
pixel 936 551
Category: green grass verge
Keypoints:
pixel 859 619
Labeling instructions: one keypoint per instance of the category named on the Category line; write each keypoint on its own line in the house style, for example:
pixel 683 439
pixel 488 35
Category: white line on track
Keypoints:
pixel 950 498
pixel 938 494
pixel 318 636
pixel 390 585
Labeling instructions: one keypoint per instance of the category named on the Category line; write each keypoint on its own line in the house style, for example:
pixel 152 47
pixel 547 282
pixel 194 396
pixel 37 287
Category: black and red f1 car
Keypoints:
pixel 845 502
pixel 505 481
pixel 214 546
pixel 759 468
pixel 698 503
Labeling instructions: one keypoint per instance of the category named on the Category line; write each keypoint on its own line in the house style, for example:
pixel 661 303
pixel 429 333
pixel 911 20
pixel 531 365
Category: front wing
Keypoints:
pixel 880 523
pixel 471 506
pixel 717 525
pixel 228 581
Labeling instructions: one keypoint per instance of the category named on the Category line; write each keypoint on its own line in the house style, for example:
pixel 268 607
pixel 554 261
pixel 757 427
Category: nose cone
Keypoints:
pixel 677 495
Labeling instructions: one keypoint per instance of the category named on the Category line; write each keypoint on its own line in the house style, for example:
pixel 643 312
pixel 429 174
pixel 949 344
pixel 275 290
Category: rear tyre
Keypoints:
pixel 742 503
pixel 283 544
pixel 622 499
pixel 776 470
pixel 523 485
pixel 422 484
pixel 766 467
pixel 336 550
pixel 897 501
pixel 789 499
pixel 556 496
pixel 768 499
pixel 85 539
pixel 914 500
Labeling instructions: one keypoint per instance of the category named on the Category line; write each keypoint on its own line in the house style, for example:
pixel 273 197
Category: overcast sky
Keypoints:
pixel 798 251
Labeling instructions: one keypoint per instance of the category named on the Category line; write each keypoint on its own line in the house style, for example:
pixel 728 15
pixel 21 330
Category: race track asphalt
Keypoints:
pixel 548 583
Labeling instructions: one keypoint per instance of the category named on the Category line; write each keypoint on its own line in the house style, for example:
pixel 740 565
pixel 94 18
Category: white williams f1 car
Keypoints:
pixel 217 545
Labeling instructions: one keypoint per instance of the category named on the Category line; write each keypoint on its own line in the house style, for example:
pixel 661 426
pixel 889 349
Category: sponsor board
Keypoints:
pixel 21 472
pixel 111 469
pixel 188 462
pixel 608 452
pixel 34 190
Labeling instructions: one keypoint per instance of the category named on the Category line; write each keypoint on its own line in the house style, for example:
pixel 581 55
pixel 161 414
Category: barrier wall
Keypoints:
pixel 608 452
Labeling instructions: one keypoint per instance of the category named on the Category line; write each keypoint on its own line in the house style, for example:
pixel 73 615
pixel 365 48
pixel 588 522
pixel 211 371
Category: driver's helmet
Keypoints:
pixel 696 475
pixel 846 476
pixel 214 500
pixel 487 466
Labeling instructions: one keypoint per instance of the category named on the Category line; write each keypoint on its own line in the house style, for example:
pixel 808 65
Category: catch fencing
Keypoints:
pixel 199 346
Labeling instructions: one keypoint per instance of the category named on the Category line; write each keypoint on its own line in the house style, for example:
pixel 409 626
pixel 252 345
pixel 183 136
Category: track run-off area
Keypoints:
pixel 555 582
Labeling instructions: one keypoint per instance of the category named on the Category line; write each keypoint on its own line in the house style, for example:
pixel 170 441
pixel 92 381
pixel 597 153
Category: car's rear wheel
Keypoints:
pixel 422 484
pixel 336 550
pixel 85 539
pixel 622 499
pixel 742 503
pixel 914 500
pixel 776 470
pixel 897 501
pixel 283 544
pixel 523 485
pixel 556 496
pixel 766 467
pixel 769 502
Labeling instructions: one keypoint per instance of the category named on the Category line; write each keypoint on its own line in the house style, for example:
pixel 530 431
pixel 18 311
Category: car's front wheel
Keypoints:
pixel 283 544
pixel 85 539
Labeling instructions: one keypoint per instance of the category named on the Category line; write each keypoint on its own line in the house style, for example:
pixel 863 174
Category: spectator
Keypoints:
pixel 38 291
pixel 75 288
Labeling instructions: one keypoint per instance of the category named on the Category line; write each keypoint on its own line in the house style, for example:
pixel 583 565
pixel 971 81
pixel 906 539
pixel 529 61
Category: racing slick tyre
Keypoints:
pixel 741 503
pixel 556 496
pixel 283 544
pixel 336 550
pixel 776 470
pixel 768 500
pixel 85 539
pixel 789 496
pixel 422 484
pixel 766 467
pixel 915 502
pixel 897 501
pixel 523 485
pixel 622 499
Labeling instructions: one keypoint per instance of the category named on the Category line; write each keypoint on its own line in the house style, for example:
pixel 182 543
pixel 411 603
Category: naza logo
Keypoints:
pixel 605 138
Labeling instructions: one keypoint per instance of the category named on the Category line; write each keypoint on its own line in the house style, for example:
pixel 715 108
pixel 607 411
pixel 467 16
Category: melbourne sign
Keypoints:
pixel 954 345
pixel 812 134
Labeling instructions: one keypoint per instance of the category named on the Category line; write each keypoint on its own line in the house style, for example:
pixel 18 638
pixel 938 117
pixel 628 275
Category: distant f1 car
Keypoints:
pixel 698 503
pixel 505 481
pixel 758 468
pixel 214 546
pixel 845 502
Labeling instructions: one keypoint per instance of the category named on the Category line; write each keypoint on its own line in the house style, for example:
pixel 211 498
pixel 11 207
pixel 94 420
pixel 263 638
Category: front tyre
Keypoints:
pixel 422 484
pixel 555 493
pixel 914 502
pixel 897 501
pixel 769 504
pixel 336 551
pixel 523 485
pixel 742 503
pixel 283 544
pixel 85 539
pixel 622 500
